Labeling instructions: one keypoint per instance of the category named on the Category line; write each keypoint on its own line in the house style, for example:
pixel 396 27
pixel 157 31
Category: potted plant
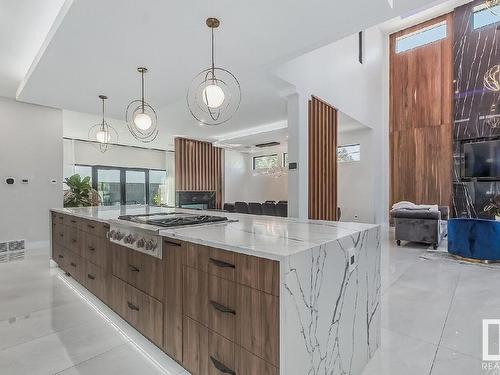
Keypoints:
pixel 80 193
pixel 493 208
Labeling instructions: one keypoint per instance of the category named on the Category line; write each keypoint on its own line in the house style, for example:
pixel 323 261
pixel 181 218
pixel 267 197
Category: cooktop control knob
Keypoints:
pixel 141 243
pixel 130 239
pixel 150 245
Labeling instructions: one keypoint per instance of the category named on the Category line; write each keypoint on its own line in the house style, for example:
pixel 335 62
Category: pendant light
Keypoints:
pixel 214 95
pixel 141 118
pixel 103 134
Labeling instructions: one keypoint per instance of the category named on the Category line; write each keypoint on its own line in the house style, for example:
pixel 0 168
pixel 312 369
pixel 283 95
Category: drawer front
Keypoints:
pixel 97 281
pixel 257 273
pixel 222 307
pixel 249 364
pixel 59 218
pixel 95 228
pixel 58 233
pixel 72 221
pixel 140 310
pixel 96 250
pixel 206 352
pixel 258 323
pixel 75 266
pixel 72 239
pixel 59 256
pixel 140 270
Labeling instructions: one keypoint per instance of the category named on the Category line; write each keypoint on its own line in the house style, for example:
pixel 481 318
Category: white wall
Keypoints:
pixel 30 147
pixel 334 74
pixel 356 180
pixel 240 183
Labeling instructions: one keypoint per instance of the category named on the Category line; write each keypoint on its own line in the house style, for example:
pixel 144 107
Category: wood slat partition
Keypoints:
pixel 322 149
pixel 198 167
pixel 421 118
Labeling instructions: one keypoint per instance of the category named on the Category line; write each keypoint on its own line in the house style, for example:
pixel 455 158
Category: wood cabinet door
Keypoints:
pixel 143 271
pixel 172 258
pixel 249 364
pixel 195 302
pixel 59 256
pixel 195 347
pixel 139 309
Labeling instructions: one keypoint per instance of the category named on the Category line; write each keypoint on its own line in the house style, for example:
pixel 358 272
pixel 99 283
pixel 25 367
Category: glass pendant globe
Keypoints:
pixel 103 136
pixel 142 121
pixel 213 96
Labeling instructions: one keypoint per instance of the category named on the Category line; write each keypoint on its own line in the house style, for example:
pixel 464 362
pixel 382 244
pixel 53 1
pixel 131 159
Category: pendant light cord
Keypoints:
pixel 213 59
pixel 102 113
pixel 142 90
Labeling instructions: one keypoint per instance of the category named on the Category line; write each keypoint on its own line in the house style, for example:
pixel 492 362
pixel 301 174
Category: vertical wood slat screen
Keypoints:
pixel 198 167
pixel 322 157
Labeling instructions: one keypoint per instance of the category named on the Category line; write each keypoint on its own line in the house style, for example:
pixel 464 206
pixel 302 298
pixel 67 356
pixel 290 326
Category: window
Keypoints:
pixel 265 162
pixel 348 153
pixel 157 183
pixel 109 186
pixel 421 37
pixel 485 16
pixel 135 187
pixel 285 160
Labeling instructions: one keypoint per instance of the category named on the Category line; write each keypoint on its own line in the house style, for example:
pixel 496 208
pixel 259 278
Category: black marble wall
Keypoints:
pixel 476 109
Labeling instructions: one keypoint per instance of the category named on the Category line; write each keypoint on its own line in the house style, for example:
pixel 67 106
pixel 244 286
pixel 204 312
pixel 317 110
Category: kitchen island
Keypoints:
pixel 255 295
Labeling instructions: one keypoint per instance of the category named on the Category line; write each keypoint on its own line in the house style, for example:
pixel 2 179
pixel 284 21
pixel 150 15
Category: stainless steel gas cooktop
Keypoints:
pixel 173 219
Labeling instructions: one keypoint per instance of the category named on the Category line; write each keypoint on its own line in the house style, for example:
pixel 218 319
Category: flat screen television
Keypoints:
pixel 481 160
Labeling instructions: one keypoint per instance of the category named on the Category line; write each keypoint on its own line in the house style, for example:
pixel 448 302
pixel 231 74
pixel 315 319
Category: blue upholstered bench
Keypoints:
pixel 476 239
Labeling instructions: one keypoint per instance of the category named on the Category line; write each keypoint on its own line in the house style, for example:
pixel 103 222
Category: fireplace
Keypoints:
pixel 198 200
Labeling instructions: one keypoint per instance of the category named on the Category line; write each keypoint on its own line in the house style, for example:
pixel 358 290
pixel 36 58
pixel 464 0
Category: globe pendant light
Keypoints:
pixel 103 134
pixel 141 118
pixel 214 95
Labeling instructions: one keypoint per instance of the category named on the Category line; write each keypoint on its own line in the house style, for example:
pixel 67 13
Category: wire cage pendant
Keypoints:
pixel 103 134
pixel 214 95
pixel 141 118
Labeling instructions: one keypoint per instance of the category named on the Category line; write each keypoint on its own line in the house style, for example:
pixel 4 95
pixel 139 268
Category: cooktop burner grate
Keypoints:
pixel 173 219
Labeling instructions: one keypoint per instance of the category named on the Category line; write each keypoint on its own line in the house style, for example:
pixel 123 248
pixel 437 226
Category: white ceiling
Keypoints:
pixel 97 46
pixel 24 25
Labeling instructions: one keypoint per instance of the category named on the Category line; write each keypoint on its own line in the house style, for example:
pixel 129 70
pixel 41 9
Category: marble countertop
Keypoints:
pixel 265 236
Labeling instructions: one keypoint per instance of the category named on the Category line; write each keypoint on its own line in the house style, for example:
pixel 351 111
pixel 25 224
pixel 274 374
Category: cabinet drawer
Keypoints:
pixel 142 311
pixel 206 352
pixel 255 272
pixel 75 266
pixel 249 364
pixel 72 240
pixel 72 221
pixel 57 233
pixel 258 323
pixel 58 218
pixel 97 281
pixel 96 228
pixel 59 256
pixel 96 250
pixel 140 270
pixel 247 316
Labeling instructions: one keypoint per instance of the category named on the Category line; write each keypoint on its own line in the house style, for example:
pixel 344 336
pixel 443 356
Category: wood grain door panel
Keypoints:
pixel 140 270
pixel 97 281
pixel 96 250
pixel 195 301
pixel 139 309
pixel 222 307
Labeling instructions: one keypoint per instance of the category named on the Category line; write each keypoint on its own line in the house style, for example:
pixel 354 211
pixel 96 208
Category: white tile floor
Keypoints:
pixel 431 321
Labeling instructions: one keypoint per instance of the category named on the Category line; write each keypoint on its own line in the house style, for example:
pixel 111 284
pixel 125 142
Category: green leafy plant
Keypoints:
pixel 157 199
pixel 493 208
pixel 80 193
